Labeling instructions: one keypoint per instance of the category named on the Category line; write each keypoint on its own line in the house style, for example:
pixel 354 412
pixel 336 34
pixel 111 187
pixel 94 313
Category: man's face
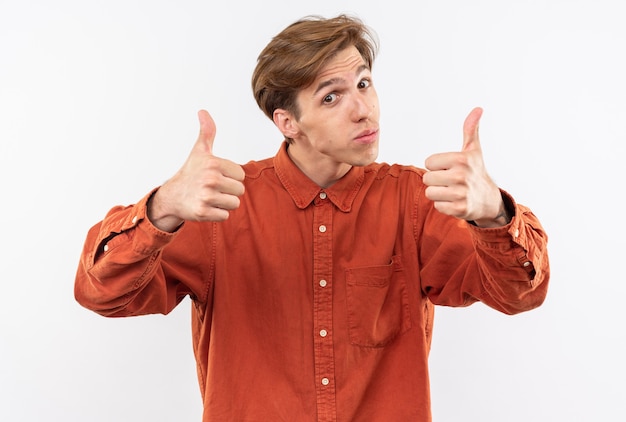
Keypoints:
pixel 339 115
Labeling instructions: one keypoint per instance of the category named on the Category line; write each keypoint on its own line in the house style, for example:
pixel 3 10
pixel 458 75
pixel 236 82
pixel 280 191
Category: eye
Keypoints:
pixel 364 83
pixel 330 98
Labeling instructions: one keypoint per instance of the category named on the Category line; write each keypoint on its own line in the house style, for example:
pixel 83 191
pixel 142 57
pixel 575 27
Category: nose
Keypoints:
pixel 364 106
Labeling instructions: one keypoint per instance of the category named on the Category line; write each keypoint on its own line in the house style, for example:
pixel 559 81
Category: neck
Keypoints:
pixel 321 170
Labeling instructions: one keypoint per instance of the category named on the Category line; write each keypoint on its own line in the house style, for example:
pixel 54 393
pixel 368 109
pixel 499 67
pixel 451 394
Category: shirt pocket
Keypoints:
pixel 377 304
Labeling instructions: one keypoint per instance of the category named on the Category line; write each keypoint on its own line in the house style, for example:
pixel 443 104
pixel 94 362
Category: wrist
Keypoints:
pixel 158 215
pixel 506 211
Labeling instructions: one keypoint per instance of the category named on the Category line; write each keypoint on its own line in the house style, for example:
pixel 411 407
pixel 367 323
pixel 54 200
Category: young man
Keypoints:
pixel 313 274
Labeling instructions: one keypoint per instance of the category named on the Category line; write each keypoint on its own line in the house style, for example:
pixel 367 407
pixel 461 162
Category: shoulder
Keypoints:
pixel 397 171
pixel 254 169
pixel 396 179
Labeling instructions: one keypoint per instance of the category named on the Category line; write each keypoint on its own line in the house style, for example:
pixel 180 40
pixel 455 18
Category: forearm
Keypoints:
pixel 120 264
pixel 504 267
pixel 515 266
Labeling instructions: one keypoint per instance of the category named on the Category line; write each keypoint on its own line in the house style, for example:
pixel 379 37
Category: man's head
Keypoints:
pixel 294 57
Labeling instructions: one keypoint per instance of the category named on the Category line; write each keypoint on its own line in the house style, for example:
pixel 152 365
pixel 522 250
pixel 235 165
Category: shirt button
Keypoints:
pixel 323 195
pixel 106 248
pixel 325 381
pixel 323 333
pixel 323 283
pixel 526 264
pixel 322 228
pixel 134 219
pixel 516 234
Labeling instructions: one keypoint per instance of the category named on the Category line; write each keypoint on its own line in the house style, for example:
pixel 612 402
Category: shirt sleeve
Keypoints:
pixel 130 267
pixel 506 268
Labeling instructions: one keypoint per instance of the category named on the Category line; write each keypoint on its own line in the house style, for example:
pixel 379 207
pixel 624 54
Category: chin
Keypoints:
pixel 373 154
pixel 366 159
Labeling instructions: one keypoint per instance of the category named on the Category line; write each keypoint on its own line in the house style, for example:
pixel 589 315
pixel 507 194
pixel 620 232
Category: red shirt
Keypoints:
pixel 314 304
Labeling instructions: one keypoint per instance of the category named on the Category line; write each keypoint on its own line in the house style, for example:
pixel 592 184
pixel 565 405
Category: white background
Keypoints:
pixel 98 103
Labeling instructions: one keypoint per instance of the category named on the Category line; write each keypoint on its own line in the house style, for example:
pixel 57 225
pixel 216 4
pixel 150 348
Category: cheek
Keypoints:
pixel 325 130
pixel 321 131
pixel 374 102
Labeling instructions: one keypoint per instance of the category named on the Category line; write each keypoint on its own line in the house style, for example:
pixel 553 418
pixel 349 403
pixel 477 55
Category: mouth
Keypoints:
pixel 367 136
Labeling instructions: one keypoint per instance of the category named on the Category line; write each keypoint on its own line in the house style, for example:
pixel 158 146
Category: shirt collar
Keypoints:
pixel 303 190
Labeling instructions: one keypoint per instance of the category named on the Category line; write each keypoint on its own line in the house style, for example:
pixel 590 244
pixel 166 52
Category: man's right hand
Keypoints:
pixel 206 187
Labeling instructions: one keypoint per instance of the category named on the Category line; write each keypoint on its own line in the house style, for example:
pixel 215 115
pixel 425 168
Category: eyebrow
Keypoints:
pixel 332 81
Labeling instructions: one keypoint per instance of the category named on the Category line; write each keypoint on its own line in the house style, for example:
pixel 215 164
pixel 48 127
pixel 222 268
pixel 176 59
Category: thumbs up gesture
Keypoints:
pixel 205 188
pixel 458 183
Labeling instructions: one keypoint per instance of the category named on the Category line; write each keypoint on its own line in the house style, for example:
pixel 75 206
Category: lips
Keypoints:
pixel 367 136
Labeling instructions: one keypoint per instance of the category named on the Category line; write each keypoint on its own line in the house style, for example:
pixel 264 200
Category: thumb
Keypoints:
pixel 470 130
pixel 207 132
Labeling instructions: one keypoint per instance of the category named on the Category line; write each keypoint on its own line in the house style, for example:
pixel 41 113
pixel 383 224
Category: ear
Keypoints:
pixel 286 123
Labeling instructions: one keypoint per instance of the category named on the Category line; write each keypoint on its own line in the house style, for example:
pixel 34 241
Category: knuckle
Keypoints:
pixel 211 180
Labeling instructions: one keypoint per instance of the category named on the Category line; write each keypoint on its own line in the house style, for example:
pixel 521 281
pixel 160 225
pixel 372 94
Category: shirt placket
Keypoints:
pixel 322 309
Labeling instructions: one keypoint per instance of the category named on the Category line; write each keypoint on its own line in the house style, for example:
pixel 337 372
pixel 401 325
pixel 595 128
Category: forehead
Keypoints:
pixel 348 60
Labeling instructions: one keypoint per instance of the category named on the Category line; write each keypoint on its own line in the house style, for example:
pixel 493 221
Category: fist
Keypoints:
pixel 205 188
pixel 458 183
